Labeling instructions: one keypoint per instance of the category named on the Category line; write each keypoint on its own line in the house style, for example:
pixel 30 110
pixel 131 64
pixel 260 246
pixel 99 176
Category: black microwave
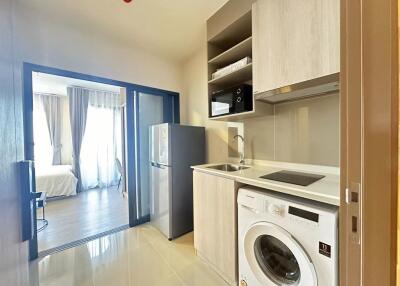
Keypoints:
pixel 232 100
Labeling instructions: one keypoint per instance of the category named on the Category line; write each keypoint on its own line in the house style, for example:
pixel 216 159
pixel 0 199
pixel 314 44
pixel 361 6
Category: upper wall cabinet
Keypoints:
pixel 294 41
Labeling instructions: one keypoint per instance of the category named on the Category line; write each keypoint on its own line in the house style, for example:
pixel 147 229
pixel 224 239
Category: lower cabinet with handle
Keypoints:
pixel 215 223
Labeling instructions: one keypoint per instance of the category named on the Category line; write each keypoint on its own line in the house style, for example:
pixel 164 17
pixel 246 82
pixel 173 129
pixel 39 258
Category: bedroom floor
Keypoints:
pixel 87 214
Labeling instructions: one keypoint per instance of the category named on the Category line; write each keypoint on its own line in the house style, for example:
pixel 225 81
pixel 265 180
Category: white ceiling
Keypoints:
pixel 172 28
pixel 57 85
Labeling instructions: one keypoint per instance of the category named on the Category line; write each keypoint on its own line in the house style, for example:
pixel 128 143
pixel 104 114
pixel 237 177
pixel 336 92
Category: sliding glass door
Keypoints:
pixel 150 108
pixel 143 106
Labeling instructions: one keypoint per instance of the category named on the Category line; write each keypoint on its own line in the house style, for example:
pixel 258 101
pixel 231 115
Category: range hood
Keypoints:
pixel 314 87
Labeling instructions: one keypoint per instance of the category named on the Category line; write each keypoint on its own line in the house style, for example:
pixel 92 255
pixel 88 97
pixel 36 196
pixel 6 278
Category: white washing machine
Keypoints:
pixel 284 240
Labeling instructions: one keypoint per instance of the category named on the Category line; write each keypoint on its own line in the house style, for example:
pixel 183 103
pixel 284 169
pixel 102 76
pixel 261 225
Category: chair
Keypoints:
pixel 120 171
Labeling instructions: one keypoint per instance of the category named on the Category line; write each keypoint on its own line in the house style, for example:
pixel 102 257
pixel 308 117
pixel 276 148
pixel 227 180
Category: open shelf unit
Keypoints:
pixel 229 44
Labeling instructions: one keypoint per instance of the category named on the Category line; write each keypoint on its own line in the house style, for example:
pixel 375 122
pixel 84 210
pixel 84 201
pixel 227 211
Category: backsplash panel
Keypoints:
pixel 233 146
pixel 305 131
pixel 259 138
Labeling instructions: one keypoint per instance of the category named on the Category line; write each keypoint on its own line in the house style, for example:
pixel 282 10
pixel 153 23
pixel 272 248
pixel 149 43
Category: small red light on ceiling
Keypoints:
pixel 127 1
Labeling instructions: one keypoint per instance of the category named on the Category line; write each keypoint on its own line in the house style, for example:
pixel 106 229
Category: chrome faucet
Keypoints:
pixel 240 153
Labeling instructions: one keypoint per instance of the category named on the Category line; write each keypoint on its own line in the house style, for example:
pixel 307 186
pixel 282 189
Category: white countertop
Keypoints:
pixel 326 190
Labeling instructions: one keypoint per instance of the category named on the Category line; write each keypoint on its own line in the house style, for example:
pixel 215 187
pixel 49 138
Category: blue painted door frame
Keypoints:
pixel 170 116
pixel 170 99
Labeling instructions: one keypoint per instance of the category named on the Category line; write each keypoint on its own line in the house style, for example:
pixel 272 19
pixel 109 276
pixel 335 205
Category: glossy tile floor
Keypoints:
pixel 137 256
pixel 89 213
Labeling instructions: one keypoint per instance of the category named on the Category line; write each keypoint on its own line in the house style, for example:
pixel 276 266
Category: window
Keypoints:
pixel 41 137
pixel 101 146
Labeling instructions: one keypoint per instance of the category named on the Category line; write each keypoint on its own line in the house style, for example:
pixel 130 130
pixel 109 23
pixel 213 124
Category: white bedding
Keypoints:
pixel 56 181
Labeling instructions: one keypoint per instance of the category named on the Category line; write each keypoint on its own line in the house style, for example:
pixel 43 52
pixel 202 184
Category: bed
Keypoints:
pixel 56 181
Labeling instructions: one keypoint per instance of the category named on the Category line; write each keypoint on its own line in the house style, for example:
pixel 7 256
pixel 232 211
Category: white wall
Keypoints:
pixel 50 41
pixel 194 106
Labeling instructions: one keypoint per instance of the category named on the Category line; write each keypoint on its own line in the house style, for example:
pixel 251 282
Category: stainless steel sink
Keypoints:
pixel 228 167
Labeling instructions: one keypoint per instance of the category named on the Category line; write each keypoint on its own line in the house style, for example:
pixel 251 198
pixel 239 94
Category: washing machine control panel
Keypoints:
pixel 297 214
pixel 274 209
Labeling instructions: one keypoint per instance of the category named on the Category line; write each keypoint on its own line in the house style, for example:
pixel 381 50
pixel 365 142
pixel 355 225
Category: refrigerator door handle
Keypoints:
pixel 158 165
pixel 162 166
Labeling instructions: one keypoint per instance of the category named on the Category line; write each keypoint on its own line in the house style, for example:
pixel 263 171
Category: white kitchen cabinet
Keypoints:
pixel 294 41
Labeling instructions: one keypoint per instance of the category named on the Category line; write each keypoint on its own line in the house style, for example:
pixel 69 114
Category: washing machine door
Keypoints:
pixel 276 258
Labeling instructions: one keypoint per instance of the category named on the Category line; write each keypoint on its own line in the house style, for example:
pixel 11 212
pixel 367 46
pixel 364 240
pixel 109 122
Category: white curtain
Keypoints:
pixel 41 137
pixel 78 99
pixel 101 144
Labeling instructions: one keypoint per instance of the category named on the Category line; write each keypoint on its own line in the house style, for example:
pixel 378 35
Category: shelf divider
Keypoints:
pixel 237 52
pixel 238 76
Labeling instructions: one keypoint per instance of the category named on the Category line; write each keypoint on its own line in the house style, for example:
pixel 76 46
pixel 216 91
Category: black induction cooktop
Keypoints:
pixel 292 177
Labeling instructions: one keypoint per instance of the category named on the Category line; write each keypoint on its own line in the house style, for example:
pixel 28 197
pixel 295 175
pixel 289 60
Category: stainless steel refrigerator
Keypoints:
pixel 174 149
